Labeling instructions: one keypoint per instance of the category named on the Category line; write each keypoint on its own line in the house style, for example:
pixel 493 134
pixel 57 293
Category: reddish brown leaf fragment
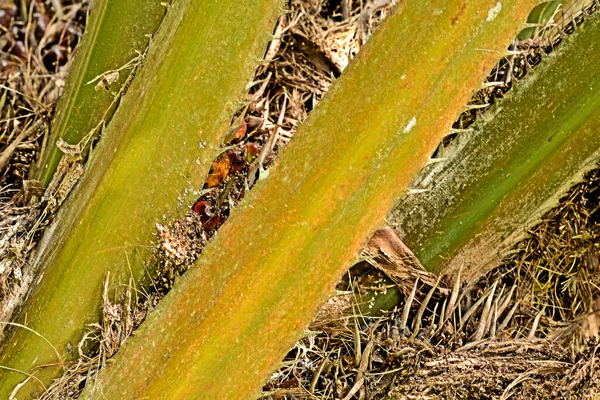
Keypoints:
pixel 212 223
pixel 236 159
pixel 218 171
pixel 204 209
pixel 210 220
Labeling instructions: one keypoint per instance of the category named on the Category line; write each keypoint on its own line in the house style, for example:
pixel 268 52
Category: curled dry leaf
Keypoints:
pixel 237 132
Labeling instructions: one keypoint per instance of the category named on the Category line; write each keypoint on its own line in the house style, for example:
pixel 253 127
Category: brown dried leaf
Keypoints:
pixel 218 171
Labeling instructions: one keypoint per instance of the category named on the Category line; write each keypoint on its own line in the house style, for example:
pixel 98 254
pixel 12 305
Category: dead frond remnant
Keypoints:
pixel 502 369
pixel 37 42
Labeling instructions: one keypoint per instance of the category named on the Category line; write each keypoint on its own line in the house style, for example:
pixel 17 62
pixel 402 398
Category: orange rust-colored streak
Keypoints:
pixel 226 326
pixel 454 19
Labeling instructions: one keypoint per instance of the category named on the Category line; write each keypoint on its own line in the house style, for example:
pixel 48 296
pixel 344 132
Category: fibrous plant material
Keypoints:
pixel 505 76
pixel 309 38
pixel 287 70
pixel 518 369
pixel 153 155
pixel 34 76
pixel 36 47
pixel 108 340
pixel 331 315
pixel 111 50
pixel 287 86
pixel 102 339
pixel 547 288
pixel 505 171
pixel 242 295
pixel 555 269
pixel 324 366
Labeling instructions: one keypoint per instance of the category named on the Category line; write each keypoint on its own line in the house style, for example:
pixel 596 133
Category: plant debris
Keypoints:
pixel 555 269
pixel 313 45
pixel 491 338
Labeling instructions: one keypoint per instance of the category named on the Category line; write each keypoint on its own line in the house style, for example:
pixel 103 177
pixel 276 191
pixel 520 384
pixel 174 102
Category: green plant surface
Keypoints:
pixel 230 320
pixel 548 18
pixel 513 167
pixel 538 18
pixel 115 32
pixel 157 149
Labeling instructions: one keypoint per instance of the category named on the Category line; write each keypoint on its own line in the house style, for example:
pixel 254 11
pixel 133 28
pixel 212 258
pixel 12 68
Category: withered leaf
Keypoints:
pixel 218 171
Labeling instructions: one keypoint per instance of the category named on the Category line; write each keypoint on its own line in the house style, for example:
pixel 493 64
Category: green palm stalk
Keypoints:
pixel 511 168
